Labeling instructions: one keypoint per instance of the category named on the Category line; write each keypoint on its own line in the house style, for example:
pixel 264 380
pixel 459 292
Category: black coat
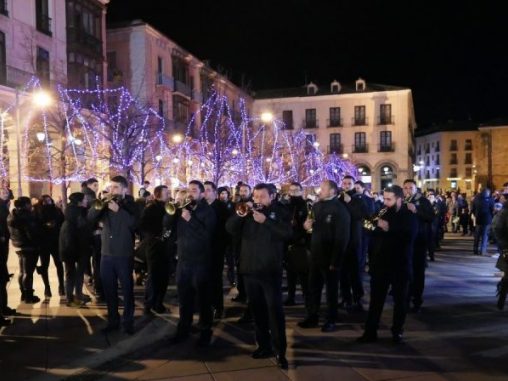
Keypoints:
pixel 392 251
pixel 223 210
pixel 25 230
pixel 194 238
pixel 152 218
pixel 297 209
pixel 262 245
pixel 51 219
pixel 75 235
pixel 358 210
pixel 425 216
pixel 330 233
pixel 483 208
pixel 4 213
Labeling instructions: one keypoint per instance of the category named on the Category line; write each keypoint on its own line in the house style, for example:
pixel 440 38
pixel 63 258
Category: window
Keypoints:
pixel 287 118
pixel 42 65
pixel 159 65
pixel 468 145
pixel 437 160
pixel 385 139
pixel 427 161
pixel 180 70
pixel 385 114
pixel 360 142
pixel 112 69
pixel 161 108
pixel 335 146
pixel 438 174
pixel 3 8
pixel 43 21
pixel 469 172
pixel 335 120
pixel 310 118
pixel 453 158
pixel 453 145
pixel 3 67
pixel 427 148
pixel 453 172
pixel 437 147
pixel 359 119
pixel 180 109
pixel 469 158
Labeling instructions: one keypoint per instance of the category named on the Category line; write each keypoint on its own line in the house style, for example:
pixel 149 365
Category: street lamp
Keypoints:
pixel 40 99
pixel 40 136
pixel 266 117
pixel 177 138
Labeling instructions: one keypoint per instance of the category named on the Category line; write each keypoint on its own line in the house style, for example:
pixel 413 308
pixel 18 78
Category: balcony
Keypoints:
pixel 182 88
pixel 386 147
pixel 335 148
pixel 360 121
pixel 335 122
pixel 310 123
pixel 164 80
pixel 385 119
pixel 14 77
pixel 78 40
pixel 44 24
pixel 360 148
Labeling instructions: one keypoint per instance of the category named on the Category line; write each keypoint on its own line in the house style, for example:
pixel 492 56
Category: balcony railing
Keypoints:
pixel 44 24
pixel 385 119
pixel 183 88
pixel 335 148
pixel 360 148
pixel 164 80
pixel 360 121
pixel 288 125
pixel 386 147
pixel 310 123
pixel 335 122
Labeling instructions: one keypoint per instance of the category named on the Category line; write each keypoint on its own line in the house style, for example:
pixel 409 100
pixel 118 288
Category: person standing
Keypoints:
pixel 297 253
pixel 119 218
pixel 263 234
pixel 418 205
pixel 330 237
pixel 74 247
pixel 157 250
pixel 433 230
pixel 26 237
pixel 225 198
pixel 501 234
pixel 51 219
pixel 370 206
pixel 5 310
pixel 195 227
pixel 390 264
pixel 483 211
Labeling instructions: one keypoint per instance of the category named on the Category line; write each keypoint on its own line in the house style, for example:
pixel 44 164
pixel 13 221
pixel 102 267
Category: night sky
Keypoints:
pixel 452 54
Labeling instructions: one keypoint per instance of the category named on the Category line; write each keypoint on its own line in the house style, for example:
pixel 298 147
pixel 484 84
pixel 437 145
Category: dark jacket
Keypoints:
pixel 51 219
pixel 24 229
pixel 262 245
pixel 330 233
pixel 425 216
pixel 223 210
pixel 89 195
pixel 117 236
pixel 194 238
pixel 501 234
pixel 152 218
pixel 483 207
pixel 358 210
pixel 75 235
pixel 392 251
pixel 297 209
pixel 4 214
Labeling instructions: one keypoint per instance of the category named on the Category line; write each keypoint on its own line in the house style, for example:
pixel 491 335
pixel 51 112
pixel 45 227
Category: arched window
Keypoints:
pixel 365 175
pixel 386 176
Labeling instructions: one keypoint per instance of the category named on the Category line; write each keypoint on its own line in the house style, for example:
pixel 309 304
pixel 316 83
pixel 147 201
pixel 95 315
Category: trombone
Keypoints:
pixel 172 207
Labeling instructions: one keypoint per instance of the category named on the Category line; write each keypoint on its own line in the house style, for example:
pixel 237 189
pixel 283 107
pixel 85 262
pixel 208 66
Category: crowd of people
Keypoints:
pixel 331 240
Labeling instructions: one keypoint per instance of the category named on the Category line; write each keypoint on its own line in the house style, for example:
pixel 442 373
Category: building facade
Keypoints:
pixel 370 124
pixel 491 155
pixel 163 75
pixel 446 157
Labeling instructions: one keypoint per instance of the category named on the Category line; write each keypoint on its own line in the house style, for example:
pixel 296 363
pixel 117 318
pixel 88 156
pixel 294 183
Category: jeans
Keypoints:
pixel 318 277
pixel 265 301
pixel 114 269
pixel 27 262
pixel 74 272
pixel 481 233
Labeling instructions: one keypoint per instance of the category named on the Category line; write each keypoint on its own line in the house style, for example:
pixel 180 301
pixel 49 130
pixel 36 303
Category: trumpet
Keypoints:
pixel 172 207
pixel 371 223
pixel 99 204
pixel 243 209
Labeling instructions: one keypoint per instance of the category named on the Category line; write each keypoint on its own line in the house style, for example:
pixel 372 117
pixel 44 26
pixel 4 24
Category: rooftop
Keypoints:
pixel 450 126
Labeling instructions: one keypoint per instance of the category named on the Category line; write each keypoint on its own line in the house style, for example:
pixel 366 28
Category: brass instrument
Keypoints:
pixel 408 199
pixel 172 207
pixel 99 204
pixel 371 223
pixel 243 209
pixel 310 214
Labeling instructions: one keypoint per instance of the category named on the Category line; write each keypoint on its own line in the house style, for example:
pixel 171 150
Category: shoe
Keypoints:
pixel 4 322
pixel 367 338
pixel 38 269
pixel 282 362
pixel 61 290
pixel 75 304
pixel 290 302
pixel 397 338
pixel 32 299
pixel 85 298
pixel 205 338
pixel 309 322
pixel 110 328
pixel 262 353
pixel 129 329
pixel 7 311
pixel 329 326
pixel 47 293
